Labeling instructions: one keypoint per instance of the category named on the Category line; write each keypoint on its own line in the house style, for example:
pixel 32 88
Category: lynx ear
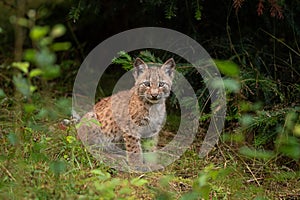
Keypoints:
pixel 139 67
pixel 168 67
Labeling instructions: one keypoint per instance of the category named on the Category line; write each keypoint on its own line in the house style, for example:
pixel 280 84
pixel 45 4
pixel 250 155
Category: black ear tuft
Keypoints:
pixel 169 67
pixel 139 67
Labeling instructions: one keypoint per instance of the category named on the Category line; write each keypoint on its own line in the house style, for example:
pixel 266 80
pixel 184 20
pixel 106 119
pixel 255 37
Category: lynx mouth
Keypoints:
pixel 153 101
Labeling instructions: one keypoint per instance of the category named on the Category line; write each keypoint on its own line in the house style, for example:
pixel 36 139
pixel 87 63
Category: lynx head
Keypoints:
pixel 153 84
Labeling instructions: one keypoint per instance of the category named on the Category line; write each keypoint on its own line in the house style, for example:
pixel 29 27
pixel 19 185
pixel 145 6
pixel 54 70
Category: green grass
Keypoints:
pixel 42 159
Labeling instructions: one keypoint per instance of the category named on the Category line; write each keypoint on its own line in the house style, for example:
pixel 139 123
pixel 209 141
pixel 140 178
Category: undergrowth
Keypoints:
pixel 258 156
pixel 51 163
pixel 42 158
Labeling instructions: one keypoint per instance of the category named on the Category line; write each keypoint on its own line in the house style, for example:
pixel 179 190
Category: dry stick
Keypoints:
pixel 229 37
pixel 254 177
pixel 225 164
pixel 247 166
pixel 8 173
pixel 281 42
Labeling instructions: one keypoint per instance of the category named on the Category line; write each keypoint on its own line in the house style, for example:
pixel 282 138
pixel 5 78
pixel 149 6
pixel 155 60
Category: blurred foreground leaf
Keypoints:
pixel 38 32
pixel 23 66
pixel 13 139
pixel 22 85
pixel 58 167
pixel 58 30
pixel 254 153
pixel 228 68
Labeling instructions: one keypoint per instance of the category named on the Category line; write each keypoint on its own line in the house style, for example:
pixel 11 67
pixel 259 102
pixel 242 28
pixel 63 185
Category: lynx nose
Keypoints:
pixel 154 96
pixel 154 93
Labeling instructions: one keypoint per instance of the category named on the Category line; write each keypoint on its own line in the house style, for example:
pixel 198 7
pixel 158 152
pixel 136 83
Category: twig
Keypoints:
pixel 254 177
pixel 251 180
pixel 281 42
pixel 229 37
pixel 8 173
pixel 247 166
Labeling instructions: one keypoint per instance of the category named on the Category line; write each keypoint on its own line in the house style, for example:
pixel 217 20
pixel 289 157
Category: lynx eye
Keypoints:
pixel 161 84
pixel 146 83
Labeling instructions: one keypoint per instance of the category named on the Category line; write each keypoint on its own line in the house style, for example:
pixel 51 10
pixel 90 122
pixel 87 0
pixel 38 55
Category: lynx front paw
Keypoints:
pixel 134 159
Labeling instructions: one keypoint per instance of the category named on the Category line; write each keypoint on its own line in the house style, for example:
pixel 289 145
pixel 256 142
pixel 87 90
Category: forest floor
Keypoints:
pixel 49 162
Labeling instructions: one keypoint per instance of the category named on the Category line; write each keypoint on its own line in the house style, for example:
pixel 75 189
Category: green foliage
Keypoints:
pixel 41 158
pixel 170 9
pixel 2 94
pixel 23 85
pixel 268 124
pixel 88 122
pixel 13 139
pixel 79 6
pixel 228 68
pixel 106 186
pixel 125 60
pixel 256 154
pixel 58 167
pixel 198 9
pixel 74 13
pixel 273 129
pixel 32 74
pixel 289 146
pixel 54 158
pixel 44 57
pixel 41 60
pixel 287 142
pixel 163 192
pixel 201 187
pixel 229 84
pixel 257 84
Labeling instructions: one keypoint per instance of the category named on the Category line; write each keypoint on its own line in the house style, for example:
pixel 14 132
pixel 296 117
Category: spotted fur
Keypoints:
pixel 127 116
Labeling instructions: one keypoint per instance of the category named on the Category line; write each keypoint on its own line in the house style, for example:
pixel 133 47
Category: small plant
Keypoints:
pixel 37 68
pixel 39 64
pixel 115 188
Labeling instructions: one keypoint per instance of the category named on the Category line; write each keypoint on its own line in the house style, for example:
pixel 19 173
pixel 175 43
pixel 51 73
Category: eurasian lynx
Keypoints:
pixel 128 116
